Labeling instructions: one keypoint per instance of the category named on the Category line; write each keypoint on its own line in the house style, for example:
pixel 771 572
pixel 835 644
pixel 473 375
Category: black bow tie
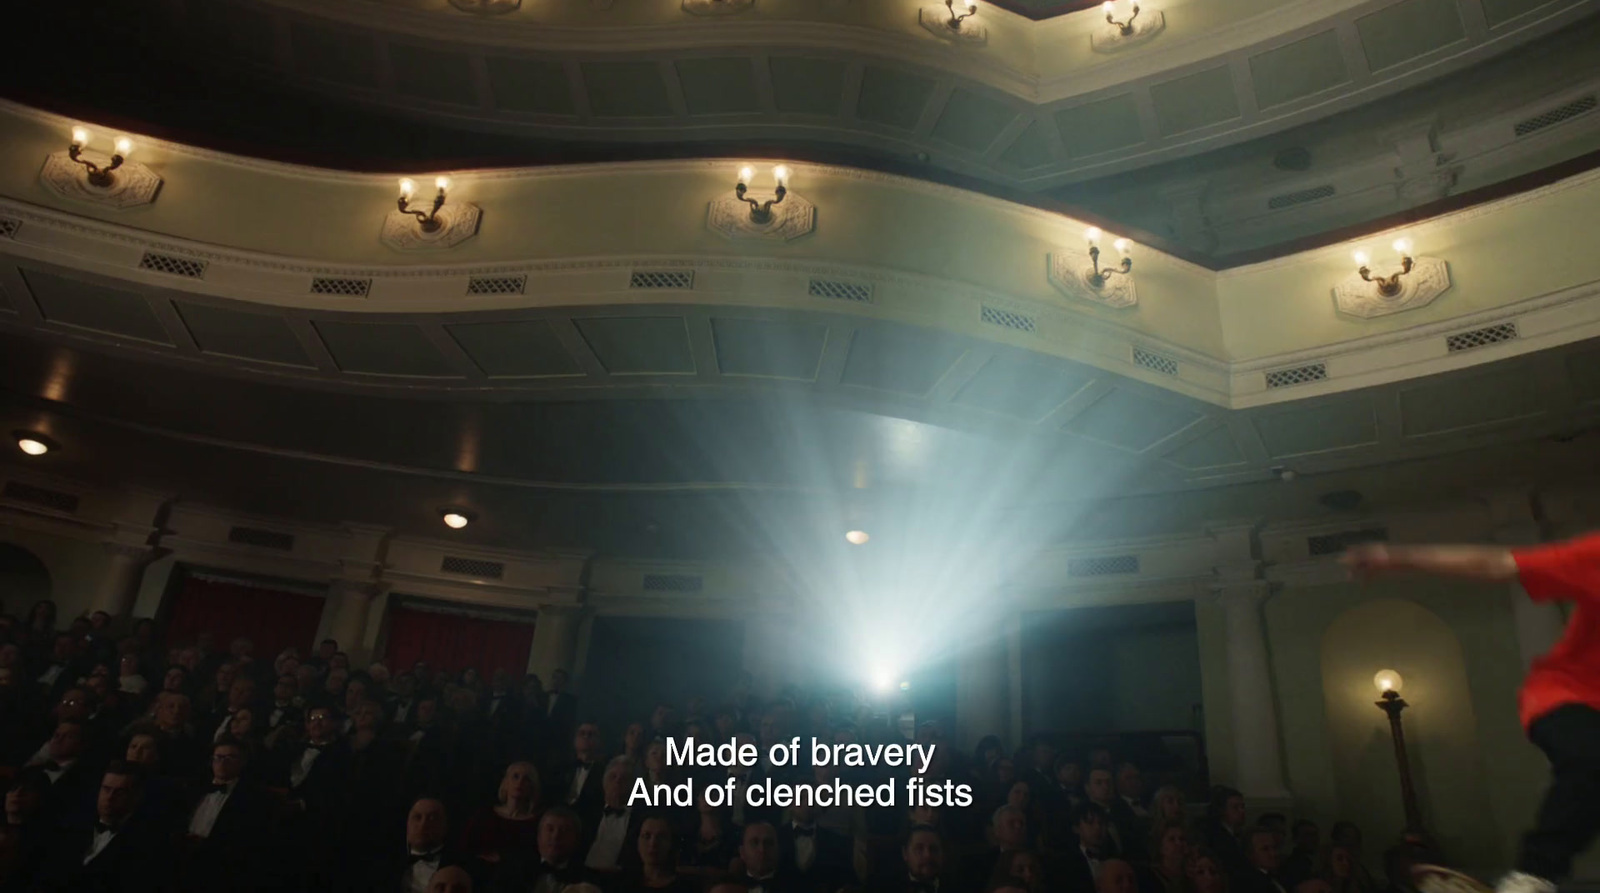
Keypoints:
pixel 613 811
pixel 805 831
pixel 425 857
pixel 52 766
pixel 315 747
pixel 103 828
pixel 924 887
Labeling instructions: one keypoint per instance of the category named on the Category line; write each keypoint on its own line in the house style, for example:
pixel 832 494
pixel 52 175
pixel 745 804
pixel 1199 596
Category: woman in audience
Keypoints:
pixel 715 841
pixel 658 856
pixel 1207 874
pixel 1169 848
pixel 129 679
pixel 1167 805
pixel 1343 871
pixel 511 826
pixel 1025 866
pixel 1348 835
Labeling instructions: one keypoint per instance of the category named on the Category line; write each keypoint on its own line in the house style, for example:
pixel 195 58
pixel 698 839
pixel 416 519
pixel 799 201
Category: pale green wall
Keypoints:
pixel 1213 648
pixel 1153 678
pixel 76 568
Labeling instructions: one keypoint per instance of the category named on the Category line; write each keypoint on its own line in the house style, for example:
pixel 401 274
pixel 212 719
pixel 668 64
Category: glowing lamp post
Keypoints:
pixel 1390 702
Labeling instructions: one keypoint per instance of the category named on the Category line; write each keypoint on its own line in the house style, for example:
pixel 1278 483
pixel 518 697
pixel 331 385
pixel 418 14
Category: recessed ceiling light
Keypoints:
pixel 33 443
pixel 857 537
pixel 457 518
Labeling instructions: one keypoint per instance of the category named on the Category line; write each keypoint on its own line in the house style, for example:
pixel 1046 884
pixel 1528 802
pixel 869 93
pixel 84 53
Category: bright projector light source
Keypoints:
pixel 882 680
pixel 857 537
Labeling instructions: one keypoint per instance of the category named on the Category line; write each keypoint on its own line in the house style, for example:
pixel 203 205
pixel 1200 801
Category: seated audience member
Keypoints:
pixel 403 700
pixel 1007 885
pixel 1116 876
pixel 130 679
pixel 1024 867
pixel 113 853
pixel 512 824
pixel 1220 830
pixel 1398 861
pixel 613 845
pixel 241 695
pixel 1008 833
pixel 180 752
pixel 1206 873
pixel 61 761
pixel 1101 790
pixel 714 842
pixel 579 782
pixel 1343 871
pixel 1313 885
pixel 1169 850
pixel 657 865
pixel 758 861
pixel 818 858
pixel 1301 863
pixel 555 864
pixel 283 712
pixel 1128 813
pixel 226 827
pixel 24 836
pixel 1278 824
pixel 451 879
pixel 1261 873
pixel 1082 864
pixel 1167 805
pixel 214 697
pixel 1348 835
pixel 413 871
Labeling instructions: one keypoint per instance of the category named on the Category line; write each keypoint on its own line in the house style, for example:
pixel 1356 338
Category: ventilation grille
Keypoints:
pixel 1506 331
pixel 1103 566
pixel 352 288
pixel 1336 543
pixel 9 227
pixel 50 499
pixel 1155 361
pixel 1551 117
pixel 994 316
pixel 266 539
pixel 473 567
pixel 840 291
pixel 1303 197
pixel 673 583
pixel 1288 378
pixel 496 285
pixel 661 279
pixel 173 266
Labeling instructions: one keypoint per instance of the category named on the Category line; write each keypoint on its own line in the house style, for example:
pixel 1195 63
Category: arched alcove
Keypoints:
pixel 1440 726
pixel 24 579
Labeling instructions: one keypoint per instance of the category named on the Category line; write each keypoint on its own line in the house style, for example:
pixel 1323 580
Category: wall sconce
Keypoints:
pixel 1141 24
pixel 761 212
pixel 100 175
pixel 784 216
pixel 442 225
pixel 82 174
pixel 1126 28
pixel 1388 683
pixel 1097 275
pixel 1112 286
pixel 956 18
pixel 1388 286
pixel 1415 282
pixel 429 220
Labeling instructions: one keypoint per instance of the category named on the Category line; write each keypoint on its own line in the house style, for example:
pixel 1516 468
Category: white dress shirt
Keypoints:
pixel 1138 810
pixel 578 779
pixel 299 771
pixel 50 675
pixel 805 847
pixel 207 810
pixel 276 717
pixel 1094 861
pixel 422 871
pixel 402 710
pixel 609 837
pixel 101 839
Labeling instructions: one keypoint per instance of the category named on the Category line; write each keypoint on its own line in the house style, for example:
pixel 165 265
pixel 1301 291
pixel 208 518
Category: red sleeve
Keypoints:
pixel 1566 571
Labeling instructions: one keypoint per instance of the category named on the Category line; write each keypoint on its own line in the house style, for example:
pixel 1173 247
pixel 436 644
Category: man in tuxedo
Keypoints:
pixel 758 853
pixel 1082 864
pixel 215 696
pixel 924 856
pixel 579 780
pixel 1008 832
pixel 315 770
pixel 1128 815
pixel 114 853
pixel 561 707
pixel 427 829
pixel 227 826
pixel 1261 873
pixel 1101 790
pixel 820 859
pixel 451 879
pixel 558 862
pixel 614 844
pixel 401 706
pixel 284 713
pixel 241 696
pixel 62 759
pixel 743 777
pixel 57 673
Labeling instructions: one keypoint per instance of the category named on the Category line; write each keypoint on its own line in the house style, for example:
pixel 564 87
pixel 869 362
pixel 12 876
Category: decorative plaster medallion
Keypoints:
pixel 487 7
pixel 1429 278
pixel 1108 38
pixel 458 222
pixel 792 218
pixel 937 20
pixel 1070 273
pixel 716 7
pixel 132 183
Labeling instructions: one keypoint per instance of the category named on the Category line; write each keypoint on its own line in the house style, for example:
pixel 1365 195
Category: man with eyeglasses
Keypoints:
pixel 227 826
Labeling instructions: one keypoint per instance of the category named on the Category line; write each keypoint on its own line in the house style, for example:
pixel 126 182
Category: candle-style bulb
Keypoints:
pixel 442 183
pixel 781 174
pixel 1122 246
pixel 1093 235
pixel 408 187
pixel 1362 258
pixel 1403 246
pixel 123 146
pixel 746 174
pixel 80 136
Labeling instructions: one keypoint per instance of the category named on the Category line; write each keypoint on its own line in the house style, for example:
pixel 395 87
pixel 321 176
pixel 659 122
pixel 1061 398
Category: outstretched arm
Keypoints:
pixel 1492 564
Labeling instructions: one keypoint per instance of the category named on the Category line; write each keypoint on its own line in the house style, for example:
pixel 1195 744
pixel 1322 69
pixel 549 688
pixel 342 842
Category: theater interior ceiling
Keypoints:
pixel 606 364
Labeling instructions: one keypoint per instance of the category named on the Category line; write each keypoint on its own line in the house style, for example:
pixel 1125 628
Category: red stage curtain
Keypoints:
pixel 270 618
pixel 455 642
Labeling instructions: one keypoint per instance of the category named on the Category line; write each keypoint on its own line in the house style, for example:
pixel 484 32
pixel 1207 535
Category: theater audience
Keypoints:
pixel 1261 872
pixel 512 824
pixel 657 866
pixel 613 845
pixel 1169 849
